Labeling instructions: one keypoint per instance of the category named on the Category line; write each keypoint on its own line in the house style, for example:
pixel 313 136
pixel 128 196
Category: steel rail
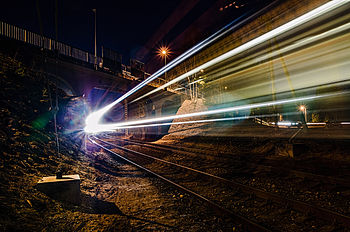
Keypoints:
pixel 170 148
pixel 295 204
pixel 248 224
pixel 297 173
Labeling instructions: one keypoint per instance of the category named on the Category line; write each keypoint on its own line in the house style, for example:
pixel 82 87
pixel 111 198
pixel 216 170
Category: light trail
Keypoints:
pixel 92 121
pixel 284 123
pixel 195 81
pixel 96 128
pixel 263 38
pixel 95 117
pixel 264 59
pixel 197 121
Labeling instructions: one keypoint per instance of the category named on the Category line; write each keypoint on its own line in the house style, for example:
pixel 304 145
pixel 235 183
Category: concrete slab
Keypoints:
pixel 66 188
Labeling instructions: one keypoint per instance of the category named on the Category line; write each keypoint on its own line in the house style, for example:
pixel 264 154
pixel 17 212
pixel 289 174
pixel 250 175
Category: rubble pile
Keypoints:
pixel 179 131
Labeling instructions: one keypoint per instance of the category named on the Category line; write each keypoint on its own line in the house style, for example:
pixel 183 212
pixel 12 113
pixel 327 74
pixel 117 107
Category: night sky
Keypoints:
pixel 134 28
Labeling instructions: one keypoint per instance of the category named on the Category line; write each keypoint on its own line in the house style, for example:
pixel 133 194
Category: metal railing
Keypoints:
pixel 29 37
pixel 37 40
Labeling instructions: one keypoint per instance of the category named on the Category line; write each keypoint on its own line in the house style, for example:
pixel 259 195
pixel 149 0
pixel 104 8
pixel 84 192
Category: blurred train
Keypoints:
pixel 310 60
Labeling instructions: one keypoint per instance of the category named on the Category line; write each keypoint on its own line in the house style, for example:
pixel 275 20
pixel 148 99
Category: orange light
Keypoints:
pixel 164 51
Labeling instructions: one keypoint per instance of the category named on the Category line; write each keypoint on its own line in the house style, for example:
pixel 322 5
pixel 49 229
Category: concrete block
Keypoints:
pixel 65 189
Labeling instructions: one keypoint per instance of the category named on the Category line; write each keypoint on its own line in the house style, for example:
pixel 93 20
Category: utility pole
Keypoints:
pixel 95 61
pixel 165 65
pixel 164 52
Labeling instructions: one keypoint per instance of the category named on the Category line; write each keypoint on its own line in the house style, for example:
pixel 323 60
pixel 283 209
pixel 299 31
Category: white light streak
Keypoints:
pixel 195 81
pixel 284 123
pixel 95 128
pixel 266 57
pixel 197 121
pixel 316 123
pixel 92 121
pixel 265 37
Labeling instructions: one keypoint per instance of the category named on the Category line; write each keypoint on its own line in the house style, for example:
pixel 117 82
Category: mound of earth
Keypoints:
pixel 189 127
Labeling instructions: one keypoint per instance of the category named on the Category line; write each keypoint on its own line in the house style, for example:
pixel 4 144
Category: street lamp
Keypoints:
pixel 95 61
pixel 164 52
pixel 302 108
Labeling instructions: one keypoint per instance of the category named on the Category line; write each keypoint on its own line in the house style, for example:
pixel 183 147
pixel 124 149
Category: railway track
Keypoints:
pixel 248 224
pixel 256 166
pixel 241 191
pixel 293 184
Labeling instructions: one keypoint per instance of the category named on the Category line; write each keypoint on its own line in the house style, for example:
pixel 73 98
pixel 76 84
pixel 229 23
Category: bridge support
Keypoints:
pixel 126 115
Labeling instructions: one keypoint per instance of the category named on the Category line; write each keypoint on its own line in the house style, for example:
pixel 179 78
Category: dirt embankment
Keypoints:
pixel 28 152
pixel 114 196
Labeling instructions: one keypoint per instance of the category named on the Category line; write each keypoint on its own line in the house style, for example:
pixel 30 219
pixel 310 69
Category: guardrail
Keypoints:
pixel 32 38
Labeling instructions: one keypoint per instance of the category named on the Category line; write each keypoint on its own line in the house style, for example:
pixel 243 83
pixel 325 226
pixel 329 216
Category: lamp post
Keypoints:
pixel 95 61
pixel 303 109
pixel 164 52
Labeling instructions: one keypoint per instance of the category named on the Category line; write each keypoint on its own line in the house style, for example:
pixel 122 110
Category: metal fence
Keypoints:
pixel 29 37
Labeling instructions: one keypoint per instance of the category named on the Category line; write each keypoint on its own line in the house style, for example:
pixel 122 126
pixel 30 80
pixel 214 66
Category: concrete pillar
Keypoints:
pixel 126 115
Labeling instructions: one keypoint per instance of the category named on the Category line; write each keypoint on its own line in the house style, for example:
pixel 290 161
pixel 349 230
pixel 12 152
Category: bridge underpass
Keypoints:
pixel 80 80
